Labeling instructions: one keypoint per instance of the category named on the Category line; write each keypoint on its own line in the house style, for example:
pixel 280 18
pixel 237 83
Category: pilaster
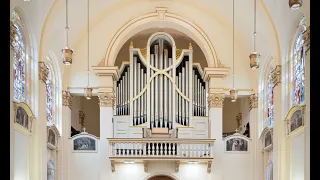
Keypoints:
pixel 42 126
pixel 277 130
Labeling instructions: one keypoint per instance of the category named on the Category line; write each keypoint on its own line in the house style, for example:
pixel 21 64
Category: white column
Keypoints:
pixel 64 153
pixel 11 115
pixel 106 131
pixel 254 135
pixel 43 73
pixel 278 131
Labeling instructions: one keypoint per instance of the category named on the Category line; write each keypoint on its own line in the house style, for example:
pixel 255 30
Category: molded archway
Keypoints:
pixel 158 176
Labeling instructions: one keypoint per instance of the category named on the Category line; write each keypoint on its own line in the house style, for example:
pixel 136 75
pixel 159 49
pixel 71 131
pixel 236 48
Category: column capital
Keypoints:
pixel 43 72
pixel 253 101
pixel 276 75
pixel 216 99
pixel 66 99
pixel 106 99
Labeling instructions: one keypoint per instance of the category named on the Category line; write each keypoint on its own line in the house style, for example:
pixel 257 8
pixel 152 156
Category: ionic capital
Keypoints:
pixel 216 99
pixel 276 75
pixel 66 99
pixel 43 72
pixel 106 99
pixel 253 101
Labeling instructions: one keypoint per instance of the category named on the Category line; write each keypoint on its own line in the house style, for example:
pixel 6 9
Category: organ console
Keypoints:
pixel 161 87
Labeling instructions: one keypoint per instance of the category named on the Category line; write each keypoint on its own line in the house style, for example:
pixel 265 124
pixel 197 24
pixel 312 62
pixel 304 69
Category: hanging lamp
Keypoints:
pixel 295 4
pixel 88 90
pixel 254 56
pixel 67 51
pixel 233 91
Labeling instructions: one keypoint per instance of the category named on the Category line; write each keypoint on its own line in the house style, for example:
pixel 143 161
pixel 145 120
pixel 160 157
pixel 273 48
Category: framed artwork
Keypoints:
pixel 237 143
pixel 23 117
pixel 295 118
pixel 84 142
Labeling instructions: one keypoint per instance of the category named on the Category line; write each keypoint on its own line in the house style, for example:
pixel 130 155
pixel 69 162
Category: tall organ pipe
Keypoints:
pixel 165 90
pixel 142 97
pixel 152 92
pixel 170 98
pixel 187 93
pixel 156 88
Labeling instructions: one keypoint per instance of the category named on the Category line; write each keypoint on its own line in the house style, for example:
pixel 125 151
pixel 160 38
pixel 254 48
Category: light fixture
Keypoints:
pixel 295 4
pixel 129 162
pixel 87 90
pixel 193 162
pixel 67 51
pixel 233 91
pixel 254 56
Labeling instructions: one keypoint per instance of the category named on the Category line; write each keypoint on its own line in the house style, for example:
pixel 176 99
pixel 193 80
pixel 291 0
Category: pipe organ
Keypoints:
pixel 161 87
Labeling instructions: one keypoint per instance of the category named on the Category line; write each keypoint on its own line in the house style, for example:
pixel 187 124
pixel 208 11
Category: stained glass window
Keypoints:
pixel 19 63
pixel 50 102
pixel 270 101
pixel 298 71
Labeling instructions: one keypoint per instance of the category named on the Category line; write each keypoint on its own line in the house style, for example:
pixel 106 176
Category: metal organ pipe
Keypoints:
pixel 161 84
pixel 152 92
pixel 187 94
pixel 156 88
pixel 170 97
pixel 165 90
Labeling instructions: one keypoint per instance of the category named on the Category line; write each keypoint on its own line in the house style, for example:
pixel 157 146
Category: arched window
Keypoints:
pixel 50 98
pixel 19 60
pixel 270 101
pixel 298 64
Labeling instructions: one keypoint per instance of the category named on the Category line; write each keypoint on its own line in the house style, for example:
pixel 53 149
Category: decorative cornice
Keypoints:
pixel 216 99
pixel 43 72
pixel 253 101
pixel 107 71
pixel 276 75
pixel 177 164
pixel 209 166
pixel 306 38
pixel 113 167
pixel 66 99
pixel 210 72
pixel 106 99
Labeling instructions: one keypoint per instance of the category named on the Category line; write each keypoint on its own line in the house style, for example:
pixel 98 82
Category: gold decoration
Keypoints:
pixel 209 166
pixel 131 44
pixel 306 38
pixel 190 45
pixel 106 99
pixel 295 4
pixel 216 99
pixel 178 53
pixel 144 52
pixel 276 75
pixel 177 163
pixel 66 99
pixel 43 72
pixel 113 167
pixel 253 101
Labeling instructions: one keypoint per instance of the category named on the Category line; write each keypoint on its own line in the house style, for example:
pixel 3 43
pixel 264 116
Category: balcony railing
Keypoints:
pixel 166 148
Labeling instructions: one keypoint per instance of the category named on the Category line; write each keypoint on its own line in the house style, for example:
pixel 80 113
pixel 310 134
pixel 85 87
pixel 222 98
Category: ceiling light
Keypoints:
pixel 295 4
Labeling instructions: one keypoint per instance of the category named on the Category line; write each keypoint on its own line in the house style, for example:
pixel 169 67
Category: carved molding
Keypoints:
pixel 106 99
pixel 102 62
pixel 43 72
pixel 276 75
pixel 161 12
pixel 306 38
pixel 145 165
pixel 66 99
pixel 216 99
pixel 113 167
pixel 209 166
pixel 253 101
pixel 177 164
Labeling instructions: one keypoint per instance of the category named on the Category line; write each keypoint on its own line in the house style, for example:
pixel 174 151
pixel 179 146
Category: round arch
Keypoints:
pixel 153 20
pixel 161 174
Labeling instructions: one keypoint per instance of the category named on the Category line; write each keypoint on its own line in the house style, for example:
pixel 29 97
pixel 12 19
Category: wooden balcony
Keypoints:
pixel 135 150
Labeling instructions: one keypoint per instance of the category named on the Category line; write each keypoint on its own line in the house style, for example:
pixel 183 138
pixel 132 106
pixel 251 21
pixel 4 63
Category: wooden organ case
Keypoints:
pixel 161 93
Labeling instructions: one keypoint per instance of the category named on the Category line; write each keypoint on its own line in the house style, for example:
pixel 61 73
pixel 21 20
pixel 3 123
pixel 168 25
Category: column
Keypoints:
pixel 42 126
pixel 106 102
pixel 306 37
pixel 254 135
pixel 11 111
pixel 278 131
pixel 66 133
pixel 106 93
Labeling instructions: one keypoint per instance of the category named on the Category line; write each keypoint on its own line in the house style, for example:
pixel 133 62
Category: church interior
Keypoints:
pixel 159 90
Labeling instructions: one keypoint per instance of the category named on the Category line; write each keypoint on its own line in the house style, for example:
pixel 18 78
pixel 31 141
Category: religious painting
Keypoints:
pixel 51 137
pixel 84 144
pixel 267 139
pixel 236 144
pixel 50 170
pixel 22 117
pixel 296 120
